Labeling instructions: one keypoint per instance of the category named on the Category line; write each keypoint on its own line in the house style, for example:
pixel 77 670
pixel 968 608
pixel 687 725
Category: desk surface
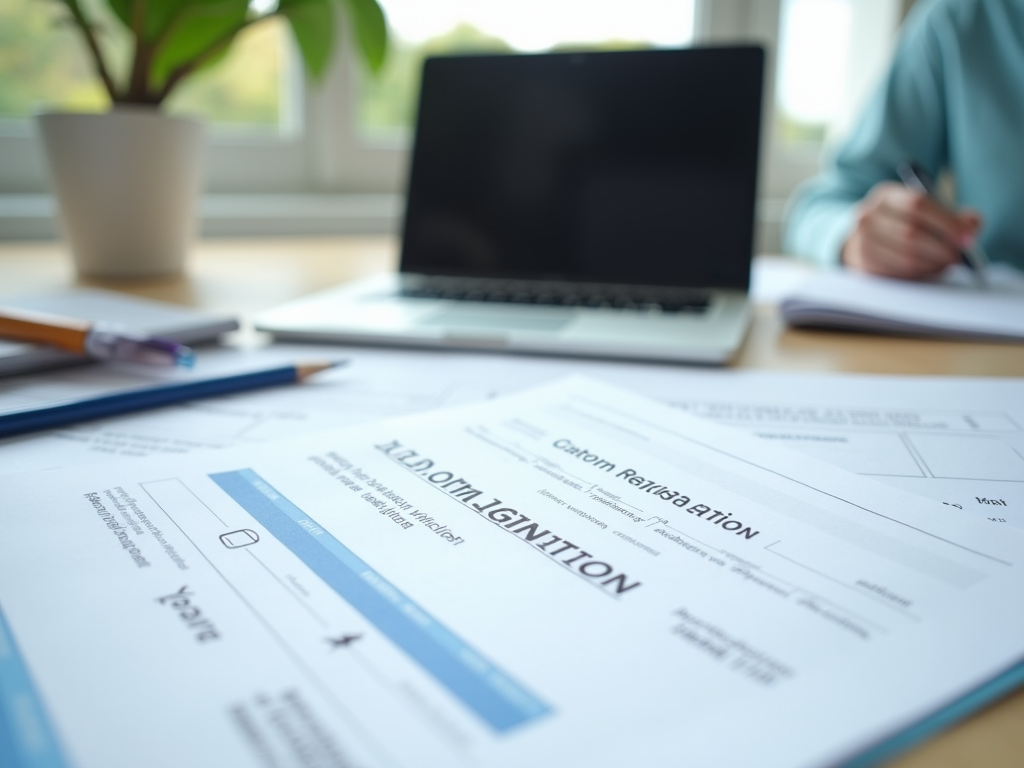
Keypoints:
pixel 243 277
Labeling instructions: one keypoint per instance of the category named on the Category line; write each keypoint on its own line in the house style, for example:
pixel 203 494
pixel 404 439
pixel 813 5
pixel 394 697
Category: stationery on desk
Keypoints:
pixel 975 300
pixel 953 306
pixel 573 572
pixel 183 325
pixel 973 256
pixel 551 714
pixel 99 341
pixel 153 393
pixel 125 389
pixel 957 440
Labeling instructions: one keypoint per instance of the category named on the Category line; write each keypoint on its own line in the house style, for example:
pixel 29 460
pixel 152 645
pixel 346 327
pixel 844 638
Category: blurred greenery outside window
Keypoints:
pixel 44 66
pixel 386 104
pixel 831 55
pixel 814 41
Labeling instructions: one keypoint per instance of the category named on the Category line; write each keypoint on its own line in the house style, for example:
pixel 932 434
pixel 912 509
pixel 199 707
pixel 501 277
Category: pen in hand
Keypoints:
pixel 916 178
pixel 96 340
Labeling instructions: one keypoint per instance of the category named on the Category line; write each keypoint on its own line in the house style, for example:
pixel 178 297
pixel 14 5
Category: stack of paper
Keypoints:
pixel 570 576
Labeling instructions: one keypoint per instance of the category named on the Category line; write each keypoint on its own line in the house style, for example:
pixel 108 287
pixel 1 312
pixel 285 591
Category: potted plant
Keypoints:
pixel 128 180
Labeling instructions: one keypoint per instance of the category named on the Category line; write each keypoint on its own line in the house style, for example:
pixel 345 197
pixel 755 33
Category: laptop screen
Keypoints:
pixel 627 167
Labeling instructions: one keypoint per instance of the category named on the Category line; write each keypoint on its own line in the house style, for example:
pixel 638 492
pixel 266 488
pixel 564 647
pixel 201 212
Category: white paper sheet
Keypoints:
pixel 570 576
pixel 956 440
pixel 953 307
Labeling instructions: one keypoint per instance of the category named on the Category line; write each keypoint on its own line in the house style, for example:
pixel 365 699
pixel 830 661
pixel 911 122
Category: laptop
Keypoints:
pixel 597 204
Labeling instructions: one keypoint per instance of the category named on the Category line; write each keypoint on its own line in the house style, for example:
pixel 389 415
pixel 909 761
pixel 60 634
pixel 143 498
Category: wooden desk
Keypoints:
pixel 243 277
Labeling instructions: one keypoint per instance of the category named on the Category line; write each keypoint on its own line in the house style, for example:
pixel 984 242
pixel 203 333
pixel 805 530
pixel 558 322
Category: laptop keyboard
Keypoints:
pixel 635 298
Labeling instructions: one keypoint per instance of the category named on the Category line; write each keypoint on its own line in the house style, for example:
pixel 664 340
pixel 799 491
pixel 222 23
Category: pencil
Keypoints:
pixel 60 414
pixel 102 341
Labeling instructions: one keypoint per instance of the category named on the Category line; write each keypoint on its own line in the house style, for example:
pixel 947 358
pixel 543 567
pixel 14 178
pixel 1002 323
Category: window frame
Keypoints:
pixel 319 153
pixel 784 167
pixel 328 178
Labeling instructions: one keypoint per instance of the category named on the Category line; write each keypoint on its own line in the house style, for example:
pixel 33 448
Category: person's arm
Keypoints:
pixel 857 212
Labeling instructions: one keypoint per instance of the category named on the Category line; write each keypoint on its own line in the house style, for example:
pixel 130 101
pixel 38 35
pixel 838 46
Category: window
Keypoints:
pixel 287 157
pixel 43 65
pixel 802 115
pixel 386 105
pixel 831 55
pixel 814 42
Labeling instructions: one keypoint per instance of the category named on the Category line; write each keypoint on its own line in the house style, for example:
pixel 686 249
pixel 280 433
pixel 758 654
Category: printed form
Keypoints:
pixel 568 576
pixel 958 440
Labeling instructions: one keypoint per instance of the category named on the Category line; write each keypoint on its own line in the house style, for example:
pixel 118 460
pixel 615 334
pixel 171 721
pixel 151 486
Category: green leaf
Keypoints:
pixel 200 30
pixel 123 10
pixel 370 30
pixel 312 22
pixel 157 14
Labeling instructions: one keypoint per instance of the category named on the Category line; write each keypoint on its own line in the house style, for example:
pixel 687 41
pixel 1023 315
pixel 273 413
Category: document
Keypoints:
pixel 958 440
pixel 568 576
pixel 953 307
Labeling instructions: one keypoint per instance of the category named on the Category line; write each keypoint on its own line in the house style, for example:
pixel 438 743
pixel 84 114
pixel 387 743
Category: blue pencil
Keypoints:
pixel 151 397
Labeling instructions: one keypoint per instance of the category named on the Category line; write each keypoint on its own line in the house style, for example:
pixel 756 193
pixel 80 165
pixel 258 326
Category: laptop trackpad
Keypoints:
pixel 472 317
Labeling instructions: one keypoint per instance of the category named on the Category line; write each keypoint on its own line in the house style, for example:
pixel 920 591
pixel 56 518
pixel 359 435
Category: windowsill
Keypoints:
pixel 34 216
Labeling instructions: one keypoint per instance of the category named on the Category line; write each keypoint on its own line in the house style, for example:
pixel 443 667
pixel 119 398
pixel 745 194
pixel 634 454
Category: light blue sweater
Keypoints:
pixel 953 99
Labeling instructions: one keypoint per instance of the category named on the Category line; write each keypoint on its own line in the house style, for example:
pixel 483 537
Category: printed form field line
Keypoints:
pixel 290 591
pixel 308 672
pixel 182 488
pixel 808 486
pixel 493 695
pixel 905 439
pixel 792 585
pixel 843 584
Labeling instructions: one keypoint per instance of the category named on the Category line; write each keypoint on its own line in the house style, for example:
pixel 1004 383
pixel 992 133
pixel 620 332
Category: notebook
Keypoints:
pixel 183 324
pixel 952 307
pixel 596 204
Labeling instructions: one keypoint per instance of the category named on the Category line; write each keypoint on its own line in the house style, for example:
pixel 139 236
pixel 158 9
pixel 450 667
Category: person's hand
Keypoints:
pixel 903 233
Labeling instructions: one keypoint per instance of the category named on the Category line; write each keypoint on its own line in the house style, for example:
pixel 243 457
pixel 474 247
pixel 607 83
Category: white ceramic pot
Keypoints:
pixel 128 184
